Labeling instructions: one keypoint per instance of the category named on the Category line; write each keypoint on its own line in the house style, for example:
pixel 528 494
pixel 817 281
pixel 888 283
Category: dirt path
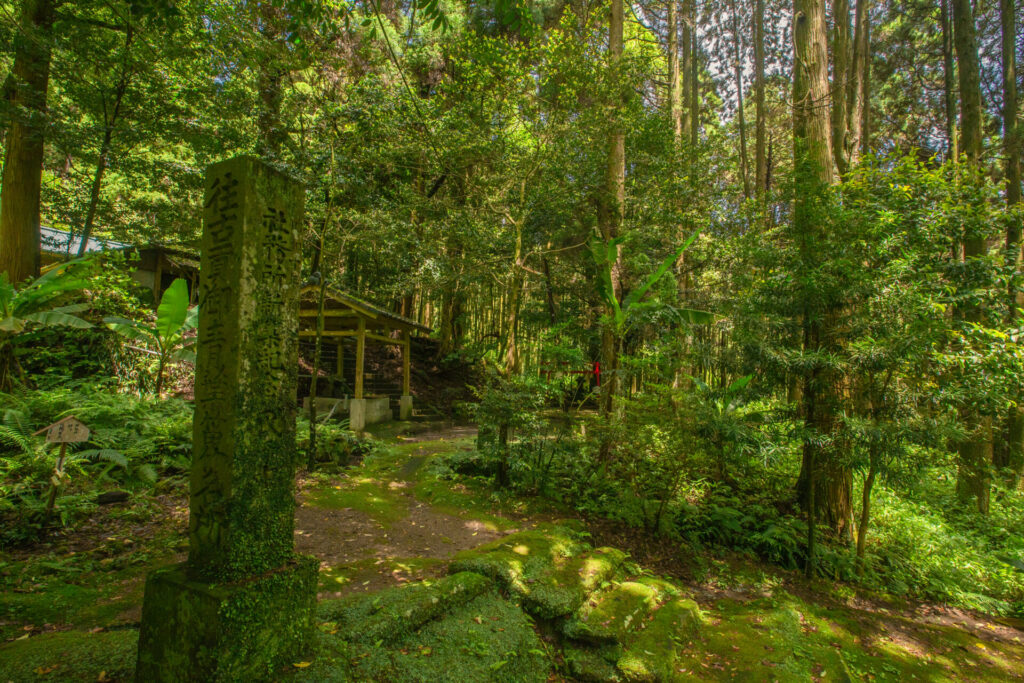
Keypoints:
pixel 373 532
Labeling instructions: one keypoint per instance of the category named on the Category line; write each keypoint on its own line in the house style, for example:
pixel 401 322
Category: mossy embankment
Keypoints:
pixel 430 576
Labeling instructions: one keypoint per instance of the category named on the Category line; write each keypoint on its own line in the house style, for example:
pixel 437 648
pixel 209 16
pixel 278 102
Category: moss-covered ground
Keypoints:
pixel 538 601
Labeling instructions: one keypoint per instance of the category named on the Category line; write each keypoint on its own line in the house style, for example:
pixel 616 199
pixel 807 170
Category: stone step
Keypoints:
pixel 551 571
pixel 394 613
pixel 611 615
pixel 648 655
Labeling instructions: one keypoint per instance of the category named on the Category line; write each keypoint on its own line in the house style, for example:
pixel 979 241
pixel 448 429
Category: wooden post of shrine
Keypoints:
pixel 357 405
pixel 340 365
pixel 405 402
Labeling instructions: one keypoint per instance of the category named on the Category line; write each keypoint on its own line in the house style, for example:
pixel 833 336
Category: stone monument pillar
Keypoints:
pixel 243 603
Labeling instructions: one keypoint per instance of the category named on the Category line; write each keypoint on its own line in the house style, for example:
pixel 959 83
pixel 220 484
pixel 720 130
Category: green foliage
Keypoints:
pixel 134 444
pixel 168 334
pixel 41 302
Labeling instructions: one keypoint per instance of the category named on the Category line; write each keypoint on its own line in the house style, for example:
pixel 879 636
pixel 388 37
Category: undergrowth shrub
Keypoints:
pixel 135 444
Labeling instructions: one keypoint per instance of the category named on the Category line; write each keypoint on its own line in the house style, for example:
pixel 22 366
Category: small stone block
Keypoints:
pixel 357 414
pixel 652 656
pixel 238 631
pixel 613 614
pixel 596 665
pixel 405 407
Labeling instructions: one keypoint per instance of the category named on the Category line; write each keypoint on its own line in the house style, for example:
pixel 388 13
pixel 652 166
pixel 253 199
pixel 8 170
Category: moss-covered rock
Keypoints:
pixel 597 664
pixel 327 661
pixel 70 656
pixel 651 655
pixel 241 631
pixel 394 613
pixel 613 614
pixel 550 570
pixel 486 639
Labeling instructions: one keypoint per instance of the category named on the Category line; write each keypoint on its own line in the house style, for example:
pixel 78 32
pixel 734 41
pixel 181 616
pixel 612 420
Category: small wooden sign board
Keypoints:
pixel 68 430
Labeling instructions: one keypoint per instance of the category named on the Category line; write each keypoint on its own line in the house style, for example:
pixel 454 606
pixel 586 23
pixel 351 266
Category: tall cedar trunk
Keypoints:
pixel 760 160
pixel 674 96
pixel 948 79
pixel 858 84
pixel 269 77
pixel 825 485
pixel 23 161
pixel 610 213
pixel 108 134
pixel 840 76
pixel 685 68
pixel 738 72
pixel 975 451
pixel 1010 454
pixel 694 108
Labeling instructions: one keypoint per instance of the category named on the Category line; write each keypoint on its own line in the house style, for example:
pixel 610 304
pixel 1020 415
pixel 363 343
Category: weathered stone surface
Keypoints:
pixel 241 631
pixel 613 614
pixel 392 614
pixel 551 571
pixel 486 639
pixel 242 605
pixel 242 482
pixel 595 664
pixel 652 653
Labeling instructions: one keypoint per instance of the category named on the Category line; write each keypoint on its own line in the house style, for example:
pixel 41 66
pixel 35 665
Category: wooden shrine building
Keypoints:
pixel 346 316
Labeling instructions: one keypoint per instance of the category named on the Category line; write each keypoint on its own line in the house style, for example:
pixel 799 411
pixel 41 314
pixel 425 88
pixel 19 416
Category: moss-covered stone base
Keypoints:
pixel 240 631
pixel 549 570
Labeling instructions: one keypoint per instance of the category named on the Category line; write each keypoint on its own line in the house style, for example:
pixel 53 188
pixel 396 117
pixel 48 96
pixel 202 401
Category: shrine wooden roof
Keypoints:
pixel 343 311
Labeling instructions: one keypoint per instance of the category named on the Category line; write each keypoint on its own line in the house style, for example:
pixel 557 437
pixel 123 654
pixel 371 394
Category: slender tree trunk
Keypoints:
pixel 694 108
pixel 674 96
pixel 865 516
pixel 738 72
pixel 94 192
pixel 1009 456
pixel 610 213
pixel 549 291
pixel 760 160
pixel 23 159
pixel 859 84
pixel 108 133
pixel 685 65
pixel 975 452
pixel 513 354
pixel 311 453
pixel 949 80
pixel 840 77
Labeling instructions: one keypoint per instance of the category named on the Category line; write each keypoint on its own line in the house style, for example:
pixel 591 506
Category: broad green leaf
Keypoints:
pixel 130 329
pixel 57 318
pixel 695 317
pixel 639 292
pixel 740 383
pixel 172 311
pixel 12 324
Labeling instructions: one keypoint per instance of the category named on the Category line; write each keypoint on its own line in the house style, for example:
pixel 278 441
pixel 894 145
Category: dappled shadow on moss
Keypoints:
pixel 70 656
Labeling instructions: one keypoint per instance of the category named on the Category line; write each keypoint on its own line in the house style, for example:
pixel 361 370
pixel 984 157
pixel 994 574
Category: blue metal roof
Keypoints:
pixel 56 241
